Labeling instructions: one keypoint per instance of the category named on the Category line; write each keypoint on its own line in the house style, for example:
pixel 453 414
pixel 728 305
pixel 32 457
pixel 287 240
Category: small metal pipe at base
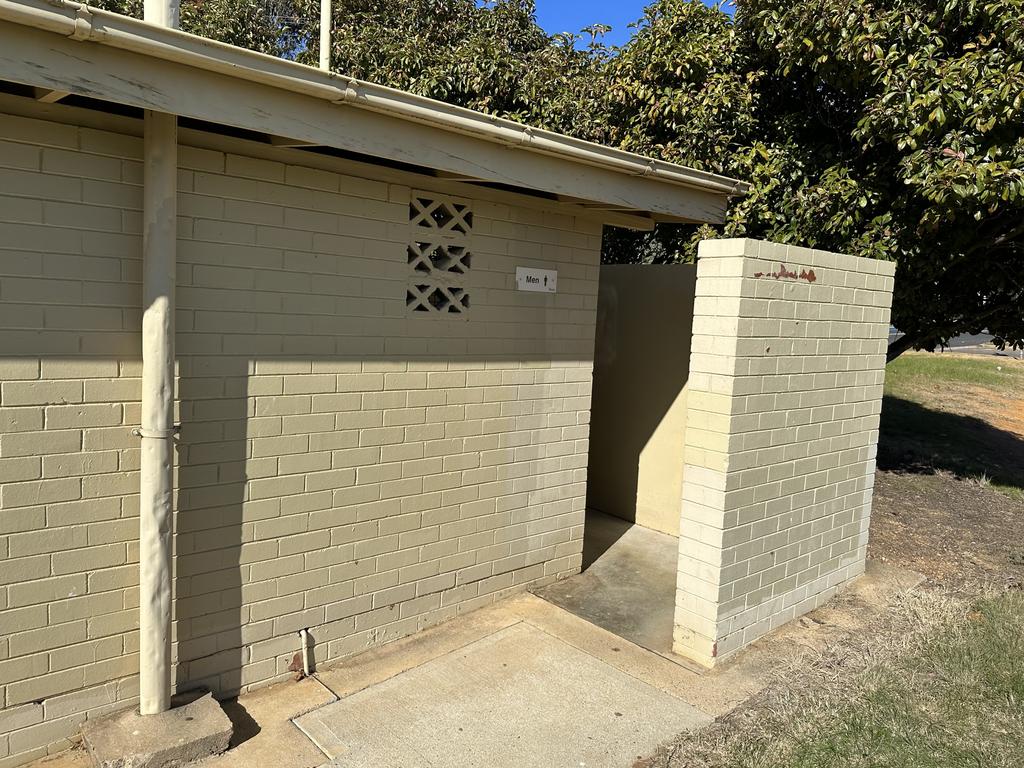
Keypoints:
pixel 304 634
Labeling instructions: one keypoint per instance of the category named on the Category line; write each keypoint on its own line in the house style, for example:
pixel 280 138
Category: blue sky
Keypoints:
pixel 572 15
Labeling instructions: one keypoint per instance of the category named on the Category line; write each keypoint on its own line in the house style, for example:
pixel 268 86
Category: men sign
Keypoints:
pixel 536 280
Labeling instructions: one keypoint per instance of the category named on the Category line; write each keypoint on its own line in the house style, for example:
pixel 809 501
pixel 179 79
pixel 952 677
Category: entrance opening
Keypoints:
pixel 629 587
pixel 635 467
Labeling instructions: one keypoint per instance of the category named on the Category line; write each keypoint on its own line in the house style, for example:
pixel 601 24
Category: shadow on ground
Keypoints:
pixel 920 440
pixel 245 727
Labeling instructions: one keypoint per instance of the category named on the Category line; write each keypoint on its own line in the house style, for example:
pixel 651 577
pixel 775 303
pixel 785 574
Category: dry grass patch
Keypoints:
pixel 940 684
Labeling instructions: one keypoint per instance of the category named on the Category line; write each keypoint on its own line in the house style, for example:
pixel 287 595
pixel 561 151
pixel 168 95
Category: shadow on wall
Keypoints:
pixel 273 508
pixel 921 440
pixel 641 364
pixel 209 605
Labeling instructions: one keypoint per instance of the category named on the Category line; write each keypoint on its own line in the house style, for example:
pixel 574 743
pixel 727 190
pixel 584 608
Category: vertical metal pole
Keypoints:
pixel 164 13
pixel 325 35
pixel 159 235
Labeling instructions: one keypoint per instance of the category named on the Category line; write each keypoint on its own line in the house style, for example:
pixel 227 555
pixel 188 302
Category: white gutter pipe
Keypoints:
pixel 159 234
pixel 82 23
pixel 325 35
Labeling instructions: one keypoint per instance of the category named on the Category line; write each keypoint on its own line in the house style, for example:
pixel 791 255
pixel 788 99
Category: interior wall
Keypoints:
pixel 638 418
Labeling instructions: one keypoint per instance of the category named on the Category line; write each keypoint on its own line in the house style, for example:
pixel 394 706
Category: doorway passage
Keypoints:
pixel 635 463
pixel 628 583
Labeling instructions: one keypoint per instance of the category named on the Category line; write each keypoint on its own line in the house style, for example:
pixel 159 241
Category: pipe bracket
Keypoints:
pixel 347 92
pixel 158 434
pixel 83 24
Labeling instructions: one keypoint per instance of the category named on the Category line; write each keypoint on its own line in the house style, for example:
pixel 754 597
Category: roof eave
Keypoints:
pixel 77 23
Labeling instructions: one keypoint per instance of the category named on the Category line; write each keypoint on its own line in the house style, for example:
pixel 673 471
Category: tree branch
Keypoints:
pixel 1001 240
pixel 898 347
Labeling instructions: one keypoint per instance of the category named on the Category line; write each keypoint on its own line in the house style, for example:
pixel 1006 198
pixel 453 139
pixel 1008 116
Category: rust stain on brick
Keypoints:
pixel 783 273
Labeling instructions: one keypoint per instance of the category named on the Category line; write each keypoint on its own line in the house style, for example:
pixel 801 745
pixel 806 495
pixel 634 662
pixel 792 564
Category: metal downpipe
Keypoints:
pixel 325 35
pixel 159 235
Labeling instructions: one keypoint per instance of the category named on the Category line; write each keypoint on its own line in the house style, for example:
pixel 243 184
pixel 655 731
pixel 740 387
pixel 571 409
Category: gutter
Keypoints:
pixel 80 22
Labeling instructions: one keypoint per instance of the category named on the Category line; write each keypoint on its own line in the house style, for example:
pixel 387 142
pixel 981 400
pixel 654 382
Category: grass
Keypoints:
pixel 955 414
pixel 957 701
pixel 911 374
pixel 941 687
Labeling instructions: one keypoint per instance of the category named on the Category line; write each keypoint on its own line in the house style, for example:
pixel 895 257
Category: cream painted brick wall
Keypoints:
pixel 786 379
pixel 342 465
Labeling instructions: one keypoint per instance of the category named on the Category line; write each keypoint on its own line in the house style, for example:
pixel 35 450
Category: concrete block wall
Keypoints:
pixel 786 375
pixel 344 465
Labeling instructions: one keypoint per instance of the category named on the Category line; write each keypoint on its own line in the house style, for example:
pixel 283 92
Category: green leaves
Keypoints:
pixel 679 88
pixel 924 162
pixel 891 131
pixel 491 57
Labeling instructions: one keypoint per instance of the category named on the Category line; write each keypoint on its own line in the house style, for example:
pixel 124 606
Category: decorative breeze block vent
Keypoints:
pixel 438 254
pixel 429 298
pixel 444 257
pixel 443 215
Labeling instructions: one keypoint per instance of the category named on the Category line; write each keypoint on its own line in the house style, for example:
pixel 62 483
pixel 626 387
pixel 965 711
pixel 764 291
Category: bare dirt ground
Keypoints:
pixel 998 408
pixel 955 532
pixel 949 496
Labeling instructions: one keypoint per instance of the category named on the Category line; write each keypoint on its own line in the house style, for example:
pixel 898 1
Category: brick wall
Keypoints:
pixel 785 383
pixel 345 464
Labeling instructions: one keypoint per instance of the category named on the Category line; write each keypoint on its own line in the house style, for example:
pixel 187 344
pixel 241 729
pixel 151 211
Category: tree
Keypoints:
pixel 683 90
pixel 492 58
pixel 891 131
pixel 923 103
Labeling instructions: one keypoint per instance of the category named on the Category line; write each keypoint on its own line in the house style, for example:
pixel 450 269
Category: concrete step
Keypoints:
pixel 191 731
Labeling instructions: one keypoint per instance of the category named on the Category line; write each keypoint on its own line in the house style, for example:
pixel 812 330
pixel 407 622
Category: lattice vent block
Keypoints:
pixel 431 298
pixel 441 214
pixel 439 254
pixel 439 257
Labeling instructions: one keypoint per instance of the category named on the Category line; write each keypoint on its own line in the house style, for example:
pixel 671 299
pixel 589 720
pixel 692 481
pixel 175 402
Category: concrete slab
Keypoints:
pixel 264 732
pixel 629 587
pixel 379 664
pixel 177 737
pixel 518 697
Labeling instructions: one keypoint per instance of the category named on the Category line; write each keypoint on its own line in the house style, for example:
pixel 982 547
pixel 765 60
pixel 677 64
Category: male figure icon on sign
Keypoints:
pixel 536 280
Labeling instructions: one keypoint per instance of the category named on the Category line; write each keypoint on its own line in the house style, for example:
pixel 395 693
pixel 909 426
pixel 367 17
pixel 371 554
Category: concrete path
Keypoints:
pixel 520 683
pixel 518 698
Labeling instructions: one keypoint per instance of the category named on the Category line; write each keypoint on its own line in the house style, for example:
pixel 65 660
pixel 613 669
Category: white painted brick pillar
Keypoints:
pixel 786 375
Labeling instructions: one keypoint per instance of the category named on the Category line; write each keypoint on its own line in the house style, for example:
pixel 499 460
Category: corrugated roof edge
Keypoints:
pixel 82 22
